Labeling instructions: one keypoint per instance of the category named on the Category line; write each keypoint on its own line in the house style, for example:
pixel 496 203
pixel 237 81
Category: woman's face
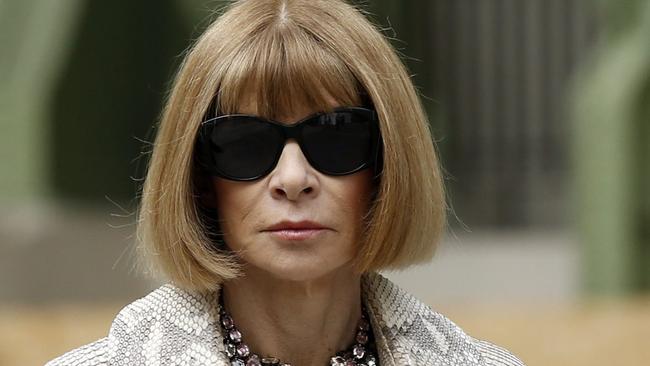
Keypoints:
pixel 291 195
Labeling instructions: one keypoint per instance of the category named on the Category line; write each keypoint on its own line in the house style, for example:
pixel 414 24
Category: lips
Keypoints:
pixel 296 225
pixel 296 230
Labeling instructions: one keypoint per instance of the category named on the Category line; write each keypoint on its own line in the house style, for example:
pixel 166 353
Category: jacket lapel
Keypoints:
pixel 408 332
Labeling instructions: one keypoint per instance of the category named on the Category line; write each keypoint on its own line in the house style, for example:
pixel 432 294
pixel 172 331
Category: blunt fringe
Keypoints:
pixel 289 52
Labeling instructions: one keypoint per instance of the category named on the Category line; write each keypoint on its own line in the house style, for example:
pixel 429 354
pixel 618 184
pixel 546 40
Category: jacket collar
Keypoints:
pixel 173 326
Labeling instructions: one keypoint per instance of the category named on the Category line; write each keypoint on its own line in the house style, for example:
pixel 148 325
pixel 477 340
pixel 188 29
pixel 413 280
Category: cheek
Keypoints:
pixel 233 201
pixel 355 192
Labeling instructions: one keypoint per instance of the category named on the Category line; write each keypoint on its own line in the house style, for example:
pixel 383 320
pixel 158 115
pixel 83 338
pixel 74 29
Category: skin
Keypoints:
pixel 298 301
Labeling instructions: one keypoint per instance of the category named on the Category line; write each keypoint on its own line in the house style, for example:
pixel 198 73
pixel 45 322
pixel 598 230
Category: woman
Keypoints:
pixel 292 162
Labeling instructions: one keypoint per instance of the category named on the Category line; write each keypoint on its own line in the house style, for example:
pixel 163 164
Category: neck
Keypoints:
pixel 299 322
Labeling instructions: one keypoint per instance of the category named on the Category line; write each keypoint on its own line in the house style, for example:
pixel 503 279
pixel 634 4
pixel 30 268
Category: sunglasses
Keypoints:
pixel 243 147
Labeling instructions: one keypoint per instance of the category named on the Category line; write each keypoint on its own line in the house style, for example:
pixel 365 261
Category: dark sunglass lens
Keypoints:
pixel 244 147
pixel 338 142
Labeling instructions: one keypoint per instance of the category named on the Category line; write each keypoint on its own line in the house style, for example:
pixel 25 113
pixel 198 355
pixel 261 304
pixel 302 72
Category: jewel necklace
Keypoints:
pixel 362 353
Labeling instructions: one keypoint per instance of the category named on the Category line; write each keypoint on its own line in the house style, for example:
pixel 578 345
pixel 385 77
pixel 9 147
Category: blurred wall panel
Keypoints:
pixel 501 70
pixel 493 76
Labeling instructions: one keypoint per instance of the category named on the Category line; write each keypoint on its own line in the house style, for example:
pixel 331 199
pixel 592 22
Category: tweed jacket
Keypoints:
pixel 170 326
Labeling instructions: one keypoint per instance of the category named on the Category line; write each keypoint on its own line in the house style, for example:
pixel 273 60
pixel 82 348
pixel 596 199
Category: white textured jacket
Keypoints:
pixel 170 326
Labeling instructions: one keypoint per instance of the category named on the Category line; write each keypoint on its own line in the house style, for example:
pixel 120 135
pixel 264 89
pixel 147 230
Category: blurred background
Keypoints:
pixel 541 112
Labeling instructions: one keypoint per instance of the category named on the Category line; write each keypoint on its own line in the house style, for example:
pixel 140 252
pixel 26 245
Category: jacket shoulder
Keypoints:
pixel 168 325
pixel 411 333
pixel 166 304
pixel 166 321
pixel 91 354
pixel 496 356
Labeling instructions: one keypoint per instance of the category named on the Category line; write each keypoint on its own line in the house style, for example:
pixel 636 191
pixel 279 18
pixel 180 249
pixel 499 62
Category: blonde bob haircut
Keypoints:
pixel 288 53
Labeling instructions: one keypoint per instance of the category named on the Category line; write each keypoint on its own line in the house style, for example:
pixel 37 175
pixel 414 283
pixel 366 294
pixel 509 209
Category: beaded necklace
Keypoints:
pixel 362 353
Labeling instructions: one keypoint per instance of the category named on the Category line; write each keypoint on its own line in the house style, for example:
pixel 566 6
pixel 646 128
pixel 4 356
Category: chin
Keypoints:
pixel 301 271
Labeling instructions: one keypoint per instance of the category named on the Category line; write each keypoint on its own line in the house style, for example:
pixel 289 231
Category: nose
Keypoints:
pixel 293 177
